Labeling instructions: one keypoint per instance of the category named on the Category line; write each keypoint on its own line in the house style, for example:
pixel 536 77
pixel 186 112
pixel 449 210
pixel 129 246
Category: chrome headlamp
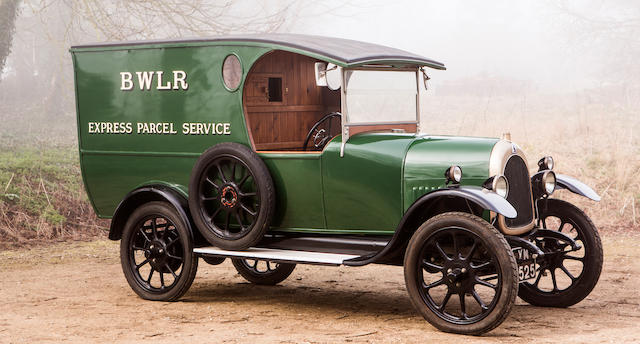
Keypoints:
pixel 498 184
pixel 546 163
pixel 549 182
pixel 543 183
pixel 453 174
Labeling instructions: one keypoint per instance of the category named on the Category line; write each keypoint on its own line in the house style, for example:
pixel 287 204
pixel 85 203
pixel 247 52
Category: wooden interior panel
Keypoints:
pixel 256 92
pixel 409 128
pixel 283 125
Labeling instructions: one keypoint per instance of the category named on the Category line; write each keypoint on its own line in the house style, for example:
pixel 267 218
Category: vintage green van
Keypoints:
pixel 282 149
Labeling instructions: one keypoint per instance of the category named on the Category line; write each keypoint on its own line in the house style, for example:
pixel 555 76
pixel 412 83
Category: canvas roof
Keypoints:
pixel 344 52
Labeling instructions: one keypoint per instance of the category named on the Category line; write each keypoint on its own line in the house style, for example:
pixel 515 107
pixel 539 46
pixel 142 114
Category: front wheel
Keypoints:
pixel 565 276
pixel 156 252
pixel 461 274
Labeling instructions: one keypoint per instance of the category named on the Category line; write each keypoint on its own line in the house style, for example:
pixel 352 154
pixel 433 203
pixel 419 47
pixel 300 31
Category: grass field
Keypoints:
pixel 42 197
pixel 594 140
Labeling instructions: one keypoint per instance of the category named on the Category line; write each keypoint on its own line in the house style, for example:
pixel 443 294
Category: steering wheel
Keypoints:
pixel 321 133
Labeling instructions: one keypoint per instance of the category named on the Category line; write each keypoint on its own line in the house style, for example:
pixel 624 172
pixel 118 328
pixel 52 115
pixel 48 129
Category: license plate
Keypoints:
pixel 527 269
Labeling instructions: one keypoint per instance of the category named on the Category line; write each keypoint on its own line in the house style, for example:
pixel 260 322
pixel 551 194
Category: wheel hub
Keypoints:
pixel 554 254
pixel 157 254
pixel 229 196
pixel 454 275
pixel 458 276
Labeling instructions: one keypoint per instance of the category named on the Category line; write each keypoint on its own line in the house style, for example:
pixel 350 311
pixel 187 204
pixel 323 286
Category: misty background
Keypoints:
pixel 496 48
pixel 561 76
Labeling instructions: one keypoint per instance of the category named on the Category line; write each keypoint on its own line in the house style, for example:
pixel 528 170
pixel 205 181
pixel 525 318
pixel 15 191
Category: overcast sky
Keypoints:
pixel 529 40
pixel 536 41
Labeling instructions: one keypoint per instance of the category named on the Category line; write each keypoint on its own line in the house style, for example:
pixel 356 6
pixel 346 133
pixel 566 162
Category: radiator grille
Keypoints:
pixel 519 195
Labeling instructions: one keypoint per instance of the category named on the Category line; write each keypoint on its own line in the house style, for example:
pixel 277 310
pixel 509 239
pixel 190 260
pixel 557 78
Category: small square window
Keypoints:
pixel 275 89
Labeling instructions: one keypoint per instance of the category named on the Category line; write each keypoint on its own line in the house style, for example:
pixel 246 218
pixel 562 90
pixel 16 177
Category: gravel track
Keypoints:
pixel 76 292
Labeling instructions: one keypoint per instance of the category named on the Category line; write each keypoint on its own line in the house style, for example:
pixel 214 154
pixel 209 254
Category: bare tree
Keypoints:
pixel 41 67
pixel 609 31
pixel 8 15
pixel 140 19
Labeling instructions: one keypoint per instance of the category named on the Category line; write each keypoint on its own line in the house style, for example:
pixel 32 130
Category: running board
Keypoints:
pixel 278 255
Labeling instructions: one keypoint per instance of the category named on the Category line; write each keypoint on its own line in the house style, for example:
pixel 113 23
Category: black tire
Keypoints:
pixel 572 221
pixel 461 253
pixel 213 260
pixel 271 274
pixel 231 196
pixel 156 239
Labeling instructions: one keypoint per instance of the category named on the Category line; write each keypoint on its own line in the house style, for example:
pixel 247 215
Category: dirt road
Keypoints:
pixel 76 292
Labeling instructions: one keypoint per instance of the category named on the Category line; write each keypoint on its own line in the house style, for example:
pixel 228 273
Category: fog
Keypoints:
pixel 517 49
pixel 521 40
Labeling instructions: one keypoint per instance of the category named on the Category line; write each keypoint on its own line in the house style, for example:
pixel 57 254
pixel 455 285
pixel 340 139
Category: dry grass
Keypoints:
pixel 42 199
pixel 595 142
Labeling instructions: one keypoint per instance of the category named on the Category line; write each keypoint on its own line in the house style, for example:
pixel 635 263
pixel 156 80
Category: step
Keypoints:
pixel 360 246
pixel 278 255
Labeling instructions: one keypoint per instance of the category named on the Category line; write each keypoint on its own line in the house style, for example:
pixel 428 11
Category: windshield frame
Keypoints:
pixel 346 124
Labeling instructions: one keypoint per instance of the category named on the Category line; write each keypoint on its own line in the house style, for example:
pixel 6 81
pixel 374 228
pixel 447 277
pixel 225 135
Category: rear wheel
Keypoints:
pixel 156 252
pixel 461 274
pixel 565 276
pixel 262 271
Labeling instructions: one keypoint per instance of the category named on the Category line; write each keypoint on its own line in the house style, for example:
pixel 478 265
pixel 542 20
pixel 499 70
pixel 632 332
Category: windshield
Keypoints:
pixel 374 96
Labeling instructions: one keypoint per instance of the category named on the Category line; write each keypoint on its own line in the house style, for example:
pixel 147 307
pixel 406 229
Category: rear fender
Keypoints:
pixel 145 194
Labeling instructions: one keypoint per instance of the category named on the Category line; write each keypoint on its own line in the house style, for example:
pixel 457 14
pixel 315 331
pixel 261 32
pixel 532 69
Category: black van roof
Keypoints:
pixel 345 52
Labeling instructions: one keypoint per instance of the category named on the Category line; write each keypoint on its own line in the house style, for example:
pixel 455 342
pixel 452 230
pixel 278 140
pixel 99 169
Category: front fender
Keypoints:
pixel 487 199
pixel 575 186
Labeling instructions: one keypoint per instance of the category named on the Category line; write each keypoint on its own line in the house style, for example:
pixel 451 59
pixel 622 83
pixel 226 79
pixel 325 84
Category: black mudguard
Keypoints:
pixel 143 195
pixel 486 199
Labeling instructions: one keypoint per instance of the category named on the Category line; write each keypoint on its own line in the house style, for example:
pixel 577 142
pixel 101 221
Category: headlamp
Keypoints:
pixel 453 174
pixel 498 184
pixel 546 163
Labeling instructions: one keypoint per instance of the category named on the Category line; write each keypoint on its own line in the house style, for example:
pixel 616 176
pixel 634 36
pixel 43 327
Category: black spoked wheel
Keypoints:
pixel 231 196
pixel 461 274
pixel 157 253
pixel 262 271
pixel 566 276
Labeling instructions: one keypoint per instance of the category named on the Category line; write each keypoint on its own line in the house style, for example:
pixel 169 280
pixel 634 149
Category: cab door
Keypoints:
pixel 363 189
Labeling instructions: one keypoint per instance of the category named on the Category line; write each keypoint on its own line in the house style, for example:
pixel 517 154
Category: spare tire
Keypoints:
pixel 231 196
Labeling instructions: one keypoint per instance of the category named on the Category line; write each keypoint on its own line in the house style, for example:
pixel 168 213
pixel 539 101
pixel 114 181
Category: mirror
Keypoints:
pixel 333 75
pixel 321 74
